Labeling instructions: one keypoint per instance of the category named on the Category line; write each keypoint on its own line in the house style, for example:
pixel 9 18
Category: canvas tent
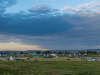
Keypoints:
pixel 28 58
pixel 90 60
pixel 11 58
pixel 35 56
pixel 53 54
pixel 56 57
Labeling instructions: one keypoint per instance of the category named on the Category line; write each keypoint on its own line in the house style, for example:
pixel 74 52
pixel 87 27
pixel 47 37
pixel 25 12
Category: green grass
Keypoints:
pixel 92 55
pixel 49 68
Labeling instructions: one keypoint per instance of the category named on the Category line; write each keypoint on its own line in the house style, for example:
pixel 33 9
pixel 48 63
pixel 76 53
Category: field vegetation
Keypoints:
pixel 49 68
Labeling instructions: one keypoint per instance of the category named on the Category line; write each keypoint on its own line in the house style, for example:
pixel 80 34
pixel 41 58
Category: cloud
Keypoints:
pixel 42 9
pixel 68 8
pixel 51 32
pixel 84 6
pixel 43 27
pixel 6 3
pixel 33 26
pixel 91 9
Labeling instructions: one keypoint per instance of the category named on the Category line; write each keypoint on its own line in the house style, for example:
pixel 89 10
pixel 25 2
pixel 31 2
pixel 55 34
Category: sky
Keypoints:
pixel 49 24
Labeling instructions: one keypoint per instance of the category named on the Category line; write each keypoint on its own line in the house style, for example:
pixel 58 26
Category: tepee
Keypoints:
pixel 11 58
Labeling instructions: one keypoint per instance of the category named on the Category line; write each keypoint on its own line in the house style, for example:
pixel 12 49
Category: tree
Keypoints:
pixel 59 52
pixel 47 52
pixel 15 53
pixel 82 52
pixel 89 52
pixel 66 52
pixel 94 52
pixel 38 52
pixel 25 53
pixel 21 52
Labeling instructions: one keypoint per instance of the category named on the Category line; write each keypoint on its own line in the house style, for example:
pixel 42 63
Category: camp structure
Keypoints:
pixel 18 59
pixel 90 60
pixel 11 58
pixel 81 57
pixel 35 56
pixel 36 60
pixel 28 58
pixel 72 55
pixel 7 58
pixel 67 59
pixel 56 57
pixel 53 54
pixel 48 56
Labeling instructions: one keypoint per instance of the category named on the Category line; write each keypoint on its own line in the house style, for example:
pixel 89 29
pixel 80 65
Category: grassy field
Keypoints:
pixel 50 66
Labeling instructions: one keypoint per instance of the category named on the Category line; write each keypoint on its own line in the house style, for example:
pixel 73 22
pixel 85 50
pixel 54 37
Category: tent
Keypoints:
pixel 53 54
pixel 35 60
pixel 28 58
pixel 93 60
pixel 96 58
pixel 11 58
pixel 56 57
pixel 7 58
pixel 72 56
pixel 68 59
pixel 88 59
pixel 35 56
pixel 18 59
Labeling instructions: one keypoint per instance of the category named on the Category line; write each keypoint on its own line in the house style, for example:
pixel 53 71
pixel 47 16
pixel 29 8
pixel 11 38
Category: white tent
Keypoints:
pixel 11 58
pixel 53 54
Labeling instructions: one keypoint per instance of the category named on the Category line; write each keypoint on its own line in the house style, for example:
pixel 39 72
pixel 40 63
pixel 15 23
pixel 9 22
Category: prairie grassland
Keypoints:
pixel 49 68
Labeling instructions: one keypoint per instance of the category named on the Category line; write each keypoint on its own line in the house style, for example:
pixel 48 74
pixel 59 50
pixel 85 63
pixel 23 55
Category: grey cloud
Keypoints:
pixel 81 36
pixel 42 9
pixel 34 26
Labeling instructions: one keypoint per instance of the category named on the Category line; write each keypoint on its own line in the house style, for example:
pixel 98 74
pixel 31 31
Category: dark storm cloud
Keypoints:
pixel 39 26
pixel 81 36
pixel 49 29
pixel 51 32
